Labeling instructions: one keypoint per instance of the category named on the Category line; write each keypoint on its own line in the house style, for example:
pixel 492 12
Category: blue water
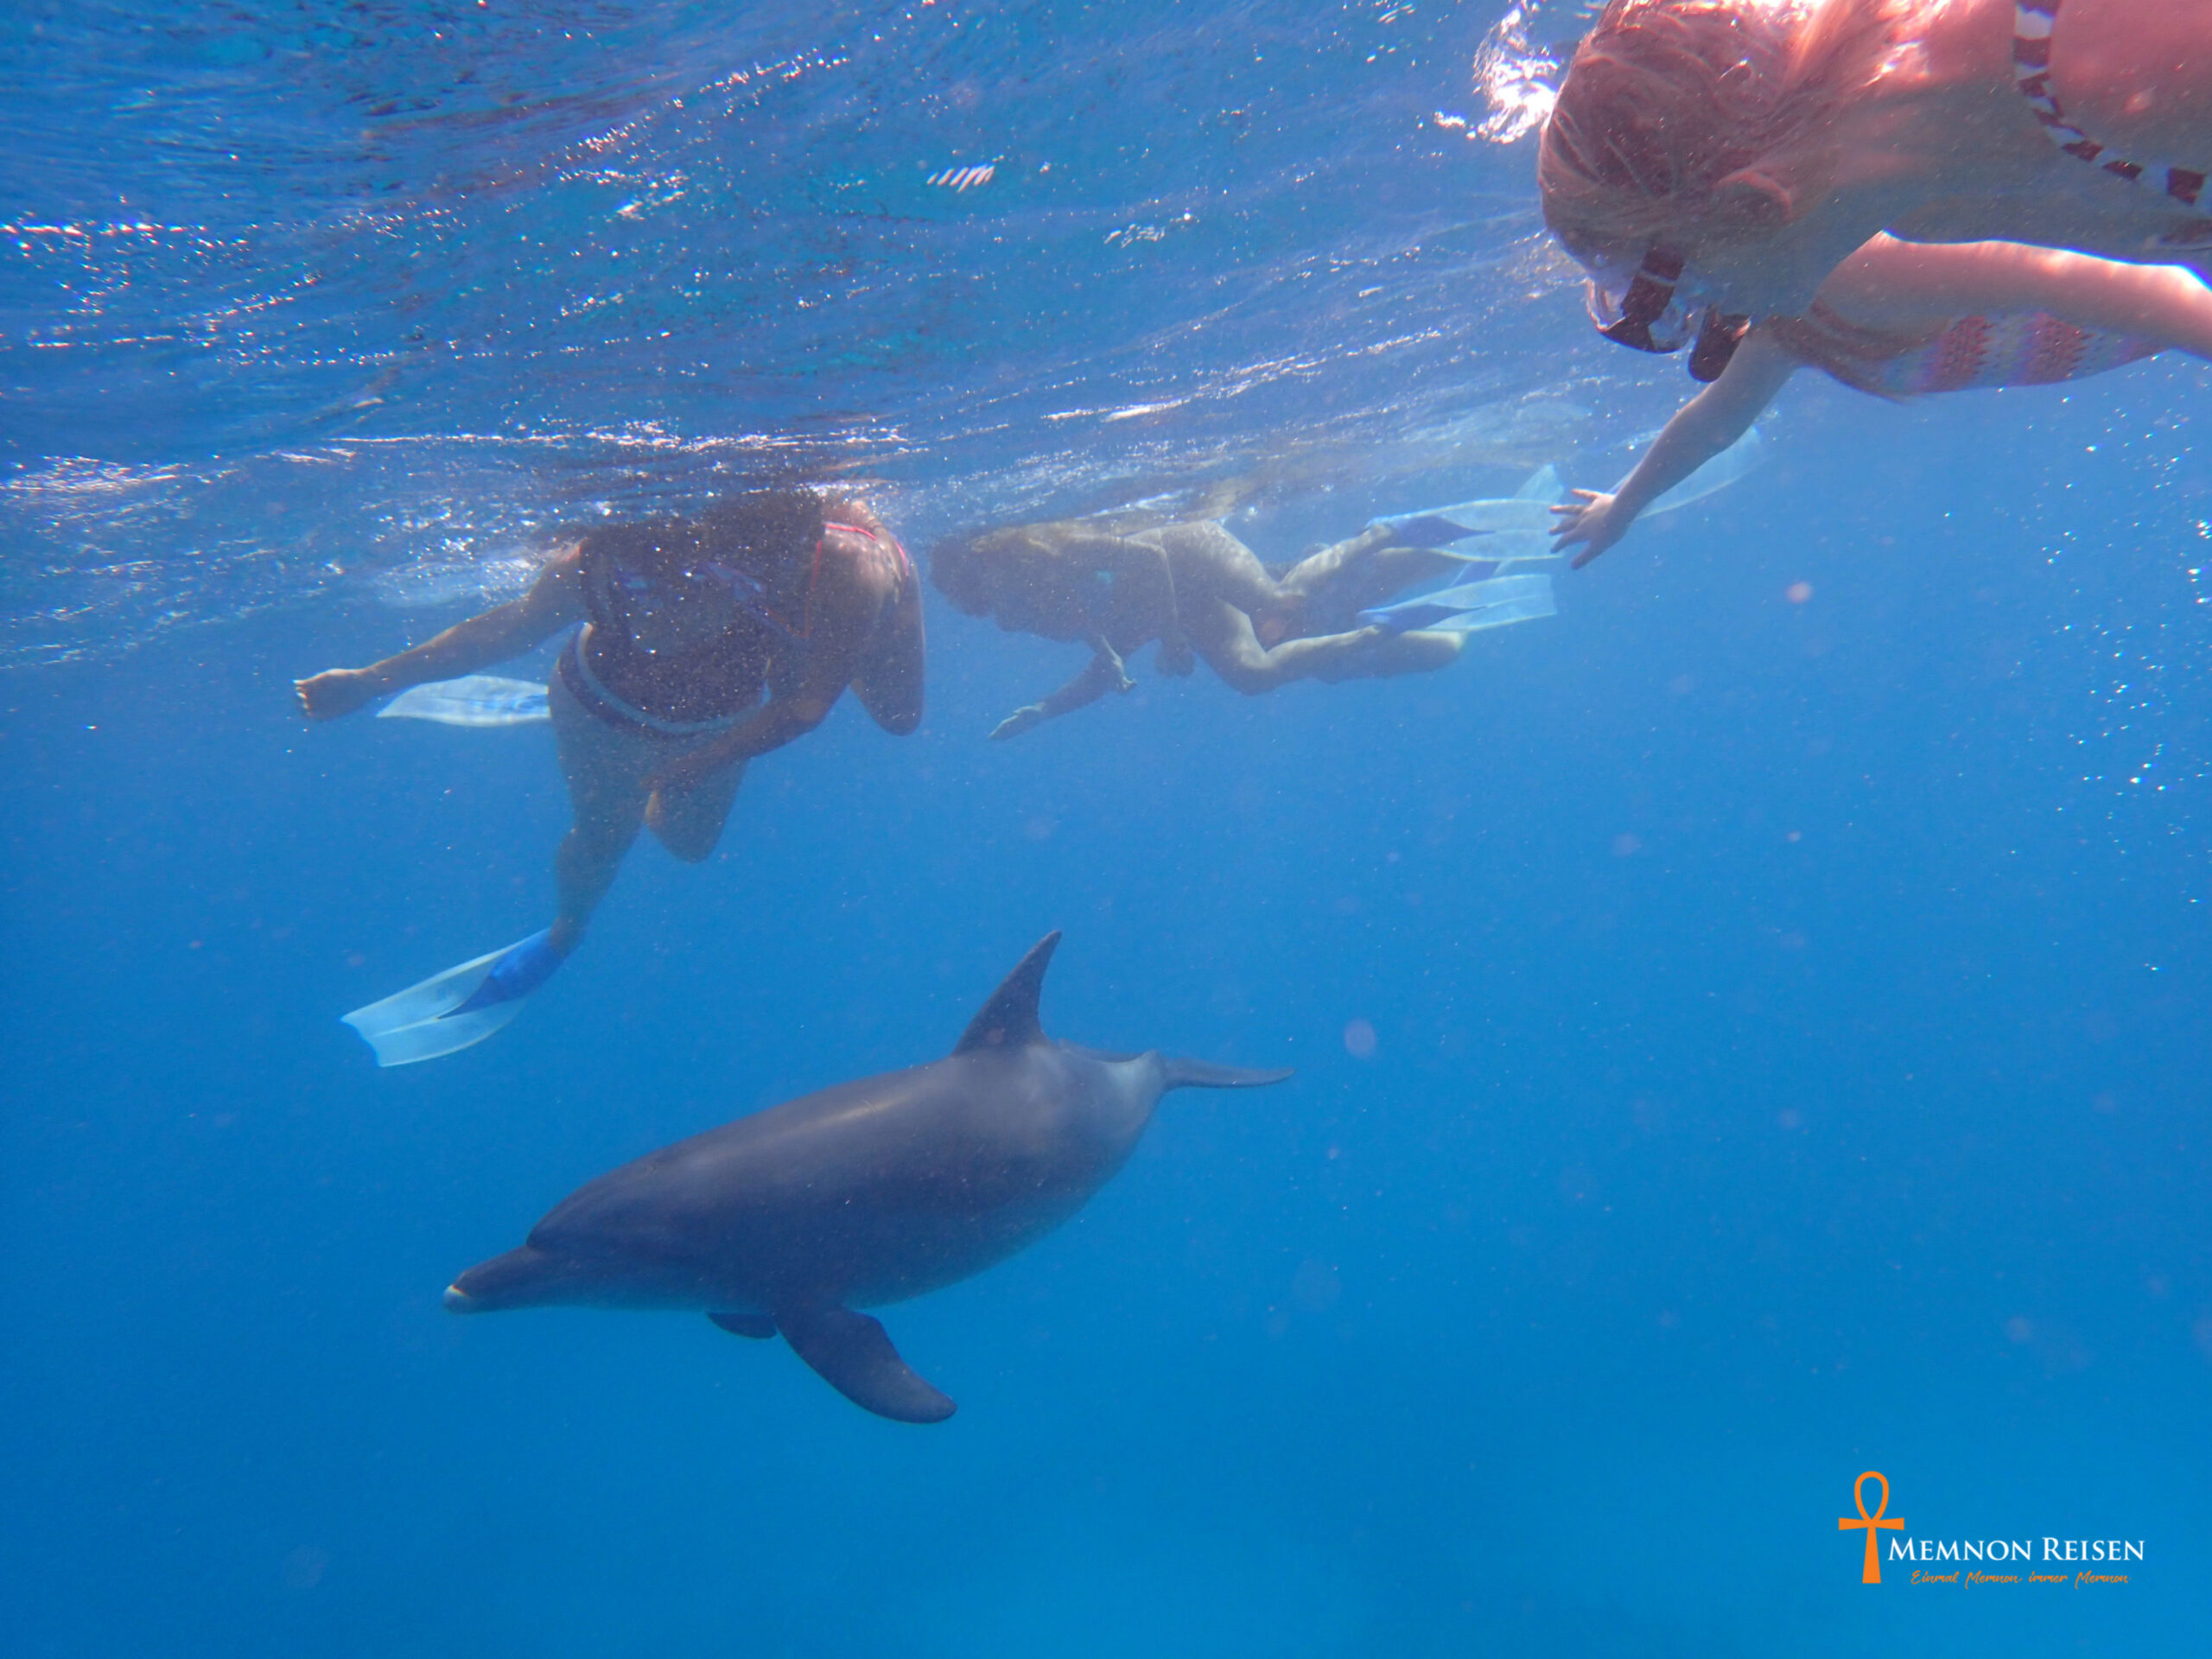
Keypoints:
pixel 1788 1018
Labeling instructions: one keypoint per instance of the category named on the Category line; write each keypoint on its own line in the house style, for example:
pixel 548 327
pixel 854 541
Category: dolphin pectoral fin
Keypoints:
pixel 1197 1074
pixel 853 1354
pixel 1009 1019
pixel 759 1326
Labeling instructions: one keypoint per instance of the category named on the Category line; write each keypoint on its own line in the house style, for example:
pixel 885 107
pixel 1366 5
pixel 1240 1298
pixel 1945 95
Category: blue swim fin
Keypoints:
pixel 1491 603
pixel 1439 528
pixel 458 1008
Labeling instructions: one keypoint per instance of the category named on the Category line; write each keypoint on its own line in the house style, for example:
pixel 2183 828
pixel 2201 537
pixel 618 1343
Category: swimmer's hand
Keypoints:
pixel 338 691
pixel 1107 668
pixel 1596 520
pixel 1019 722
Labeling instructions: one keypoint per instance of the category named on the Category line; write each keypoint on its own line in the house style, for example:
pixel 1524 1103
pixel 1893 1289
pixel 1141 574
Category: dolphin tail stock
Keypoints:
pixel 1180 1073
pixel 458 1008
pixel 853 1354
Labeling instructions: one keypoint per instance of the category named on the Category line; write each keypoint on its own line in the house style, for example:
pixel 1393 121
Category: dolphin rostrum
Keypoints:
pixel 858 1195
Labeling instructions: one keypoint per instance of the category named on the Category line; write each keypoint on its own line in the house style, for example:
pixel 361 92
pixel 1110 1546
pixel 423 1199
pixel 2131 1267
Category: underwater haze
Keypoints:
pixel 1751 1028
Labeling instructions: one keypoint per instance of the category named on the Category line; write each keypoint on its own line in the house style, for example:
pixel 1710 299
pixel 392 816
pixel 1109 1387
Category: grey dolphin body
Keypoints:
pixel 858 1195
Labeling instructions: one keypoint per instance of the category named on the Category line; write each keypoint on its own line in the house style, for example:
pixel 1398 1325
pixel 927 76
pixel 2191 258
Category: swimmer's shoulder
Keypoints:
pixel 852 537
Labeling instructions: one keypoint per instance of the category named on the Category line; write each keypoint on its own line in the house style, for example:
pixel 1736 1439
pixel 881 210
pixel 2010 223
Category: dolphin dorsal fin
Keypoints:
pixel 1009 1019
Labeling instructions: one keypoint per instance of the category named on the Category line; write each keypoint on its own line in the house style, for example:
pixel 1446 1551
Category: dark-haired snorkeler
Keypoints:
pixel 1201 592
pixel 657 702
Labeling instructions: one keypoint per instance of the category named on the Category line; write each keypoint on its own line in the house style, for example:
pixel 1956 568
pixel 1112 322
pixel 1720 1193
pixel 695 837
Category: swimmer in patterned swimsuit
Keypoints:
pixel 1899 319
pixel 705 643
pixel 1713 162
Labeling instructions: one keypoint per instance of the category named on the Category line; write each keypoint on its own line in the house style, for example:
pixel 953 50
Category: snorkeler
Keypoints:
pixel 1899 319
pixel 1200 592
pixel 656 702
pixel 1712 163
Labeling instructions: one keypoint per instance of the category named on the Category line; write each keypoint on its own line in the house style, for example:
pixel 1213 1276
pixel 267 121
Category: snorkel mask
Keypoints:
pixel 1643 313
pixel 1647 313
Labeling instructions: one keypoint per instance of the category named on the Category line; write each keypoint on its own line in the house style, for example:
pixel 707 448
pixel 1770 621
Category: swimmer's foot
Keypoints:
pixel 461 1006
pixel 1435 528
pixel 520 969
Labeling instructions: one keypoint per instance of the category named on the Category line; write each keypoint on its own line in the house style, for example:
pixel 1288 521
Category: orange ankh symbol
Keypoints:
pixel 1873 1572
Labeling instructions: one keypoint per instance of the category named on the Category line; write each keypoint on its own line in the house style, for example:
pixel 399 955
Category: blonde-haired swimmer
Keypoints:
pixel 1898 319
pixel 1712 161
pixel 1200 592
pixel 706 643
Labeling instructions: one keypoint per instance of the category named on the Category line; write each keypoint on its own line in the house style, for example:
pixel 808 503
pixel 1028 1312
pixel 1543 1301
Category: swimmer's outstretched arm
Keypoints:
pixel 1701 429
pixel 554 599
pixel 1104 672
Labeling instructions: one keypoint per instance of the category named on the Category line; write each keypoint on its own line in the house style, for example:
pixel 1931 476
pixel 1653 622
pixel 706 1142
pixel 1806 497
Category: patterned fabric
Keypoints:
pixel 2030 348
pixel 2033 22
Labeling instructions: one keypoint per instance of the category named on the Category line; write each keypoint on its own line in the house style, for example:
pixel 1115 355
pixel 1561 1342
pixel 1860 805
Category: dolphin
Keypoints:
pixel 858 1195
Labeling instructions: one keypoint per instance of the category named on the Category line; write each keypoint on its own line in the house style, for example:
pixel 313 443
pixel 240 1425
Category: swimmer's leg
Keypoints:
pixel 1319 570
pixel 1224 636
pixel 688 822
pixel 1334 585
pixel 605 770
pixel 1234 652
pixel 1413 652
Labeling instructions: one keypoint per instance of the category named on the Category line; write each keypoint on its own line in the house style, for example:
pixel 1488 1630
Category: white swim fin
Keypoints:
pixel 1501 530
pixel 1493 602
pixel 456 1010
pixel 1724 469
pixel 473 700
pixel 1505 600
pixel 1543 485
